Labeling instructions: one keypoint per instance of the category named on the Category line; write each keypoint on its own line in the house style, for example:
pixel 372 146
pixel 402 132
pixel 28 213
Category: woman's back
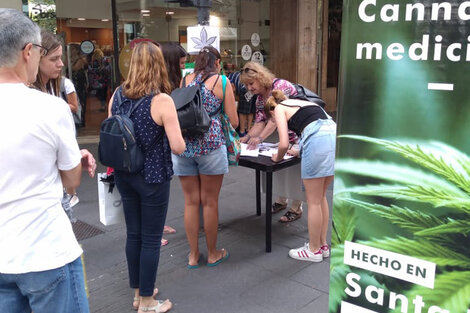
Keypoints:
pixel 150 137
pixel 213 138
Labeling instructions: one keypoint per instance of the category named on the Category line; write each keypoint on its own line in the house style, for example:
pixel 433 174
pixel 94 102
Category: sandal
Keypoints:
pixel 161 307
pixel 168 230
pixel 164 242
pixel 136 300
pixel 277 207
pixel 290 216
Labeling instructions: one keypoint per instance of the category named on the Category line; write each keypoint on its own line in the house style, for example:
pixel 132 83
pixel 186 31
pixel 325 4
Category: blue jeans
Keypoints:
pixel 58 290
pixel 145 206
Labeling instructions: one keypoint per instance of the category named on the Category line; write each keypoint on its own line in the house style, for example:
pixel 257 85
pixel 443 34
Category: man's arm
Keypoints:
pixel 71 178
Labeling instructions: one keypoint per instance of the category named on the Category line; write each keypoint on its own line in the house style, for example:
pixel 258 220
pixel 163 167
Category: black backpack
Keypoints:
pixel 193 118
pixel 118 147
pixel 305 94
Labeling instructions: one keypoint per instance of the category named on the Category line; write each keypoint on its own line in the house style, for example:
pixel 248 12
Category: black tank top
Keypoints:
pixel 304 116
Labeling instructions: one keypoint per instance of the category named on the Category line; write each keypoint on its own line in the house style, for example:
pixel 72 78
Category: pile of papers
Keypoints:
pixel 265 148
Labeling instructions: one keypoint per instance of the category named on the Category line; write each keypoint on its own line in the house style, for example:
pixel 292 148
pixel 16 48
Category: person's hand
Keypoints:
pixel 245 138
pixel 274 158
pixel 293 152
pixel 88 162
pixel 254 142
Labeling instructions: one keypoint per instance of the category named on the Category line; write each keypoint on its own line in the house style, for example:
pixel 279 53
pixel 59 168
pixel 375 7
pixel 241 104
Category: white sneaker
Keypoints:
pixel 304 254
pixel 325 251
pixel 73 200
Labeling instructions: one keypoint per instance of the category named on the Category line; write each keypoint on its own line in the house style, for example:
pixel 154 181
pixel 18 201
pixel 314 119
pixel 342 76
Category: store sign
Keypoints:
pixel 201 36
pixel 87 47
pixel 400 235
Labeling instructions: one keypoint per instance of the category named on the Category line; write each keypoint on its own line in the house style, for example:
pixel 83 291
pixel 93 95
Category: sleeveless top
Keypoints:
pixel 158 167
pixel 304 116
pixel 214 137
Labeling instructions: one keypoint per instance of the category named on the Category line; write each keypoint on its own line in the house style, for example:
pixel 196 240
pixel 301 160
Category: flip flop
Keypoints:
pixel 192 267
pixel 164 242
pixel 168 230
pixel 222 258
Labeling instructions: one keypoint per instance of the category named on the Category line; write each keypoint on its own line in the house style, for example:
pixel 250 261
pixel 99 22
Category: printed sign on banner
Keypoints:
pixel 201 36
pixel 401 207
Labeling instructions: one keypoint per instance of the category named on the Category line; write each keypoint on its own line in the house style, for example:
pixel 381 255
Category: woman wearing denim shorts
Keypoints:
pixel 202 165
pixel 317 133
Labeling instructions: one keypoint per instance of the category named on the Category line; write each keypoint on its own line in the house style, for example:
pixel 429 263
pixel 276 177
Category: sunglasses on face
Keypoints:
pixel 247 70
pixel 43 51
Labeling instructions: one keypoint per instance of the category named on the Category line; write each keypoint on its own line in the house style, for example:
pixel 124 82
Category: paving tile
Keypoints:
pixel 250 281
pixel 281 295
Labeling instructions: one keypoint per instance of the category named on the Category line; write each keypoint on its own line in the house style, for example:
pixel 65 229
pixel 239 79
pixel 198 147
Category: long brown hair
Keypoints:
pixel 205 61
pixel 147 72
pixel 50 42
pixel 173 52
pixel 276 97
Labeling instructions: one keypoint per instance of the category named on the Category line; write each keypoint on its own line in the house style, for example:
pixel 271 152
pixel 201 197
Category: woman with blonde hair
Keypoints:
pixel 145 194
pixel 317 133
pixel 202 166
pixel 261 82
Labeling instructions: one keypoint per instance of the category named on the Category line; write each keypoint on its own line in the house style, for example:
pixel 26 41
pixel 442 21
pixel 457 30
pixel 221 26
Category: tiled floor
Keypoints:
pixel 250 281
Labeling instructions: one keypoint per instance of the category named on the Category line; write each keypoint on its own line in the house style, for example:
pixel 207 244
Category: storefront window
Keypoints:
pixel 243 26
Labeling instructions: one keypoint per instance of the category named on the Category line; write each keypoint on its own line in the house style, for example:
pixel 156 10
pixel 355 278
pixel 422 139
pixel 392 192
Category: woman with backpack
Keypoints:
pixel 202 166
pixel 317 133
pixel 145 194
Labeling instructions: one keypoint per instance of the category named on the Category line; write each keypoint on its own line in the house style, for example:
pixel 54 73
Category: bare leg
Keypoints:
pixel 325 211
pixel 191 189
pixel 210 189
pixel 281 200
pixel 315 191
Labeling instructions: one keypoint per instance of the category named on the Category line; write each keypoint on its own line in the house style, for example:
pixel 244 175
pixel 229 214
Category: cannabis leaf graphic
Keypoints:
pixel 203 40
pixel 423 207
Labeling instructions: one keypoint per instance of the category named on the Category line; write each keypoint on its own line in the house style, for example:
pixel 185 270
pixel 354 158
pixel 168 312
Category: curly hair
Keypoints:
pixel 253 71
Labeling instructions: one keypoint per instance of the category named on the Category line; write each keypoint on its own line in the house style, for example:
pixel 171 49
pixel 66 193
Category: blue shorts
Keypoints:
pixel 213 163
pixel 317 149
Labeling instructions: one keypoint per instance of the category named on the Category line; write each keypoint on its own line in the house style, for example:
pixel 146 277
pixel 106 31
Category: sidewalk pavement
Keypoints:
pixel 250 281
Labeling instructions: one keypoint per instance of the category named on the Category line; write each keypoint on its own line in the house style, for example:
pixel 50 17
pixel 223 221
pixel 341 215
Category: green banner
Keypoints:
pixel 401 214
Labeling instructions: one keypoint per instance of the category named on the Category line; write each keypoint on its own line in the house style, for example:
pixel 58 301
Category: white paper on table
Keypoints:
pixel 270 151
pixel 268 145
pixel 246 152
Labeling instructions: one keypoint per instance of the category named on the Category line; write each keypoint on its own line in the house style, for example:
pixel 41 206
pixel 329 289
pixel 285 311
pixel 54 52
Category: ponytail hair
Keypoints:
pixel 205 61
pixel 277 96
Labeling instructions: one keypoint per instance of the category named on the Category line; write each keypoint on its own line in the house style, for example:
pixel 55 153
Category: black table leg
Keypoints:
pixel 269 190
pixel 258 193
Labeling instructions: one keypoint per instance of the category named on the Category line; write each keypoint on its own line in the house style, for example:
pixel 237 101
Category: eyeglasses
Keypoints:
pixel 43 51
pixel 247 69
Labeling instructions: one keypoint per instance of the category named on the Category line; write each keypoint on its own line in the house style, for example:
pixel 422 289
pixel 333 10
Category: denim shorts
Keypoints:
pixel 213 163
pixel 317 149
pixel 57 290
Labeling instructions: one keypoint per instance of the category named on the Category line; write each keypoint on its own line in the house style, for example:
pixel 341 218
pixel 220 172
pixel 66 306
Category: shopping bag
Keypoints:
pixel 110 204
